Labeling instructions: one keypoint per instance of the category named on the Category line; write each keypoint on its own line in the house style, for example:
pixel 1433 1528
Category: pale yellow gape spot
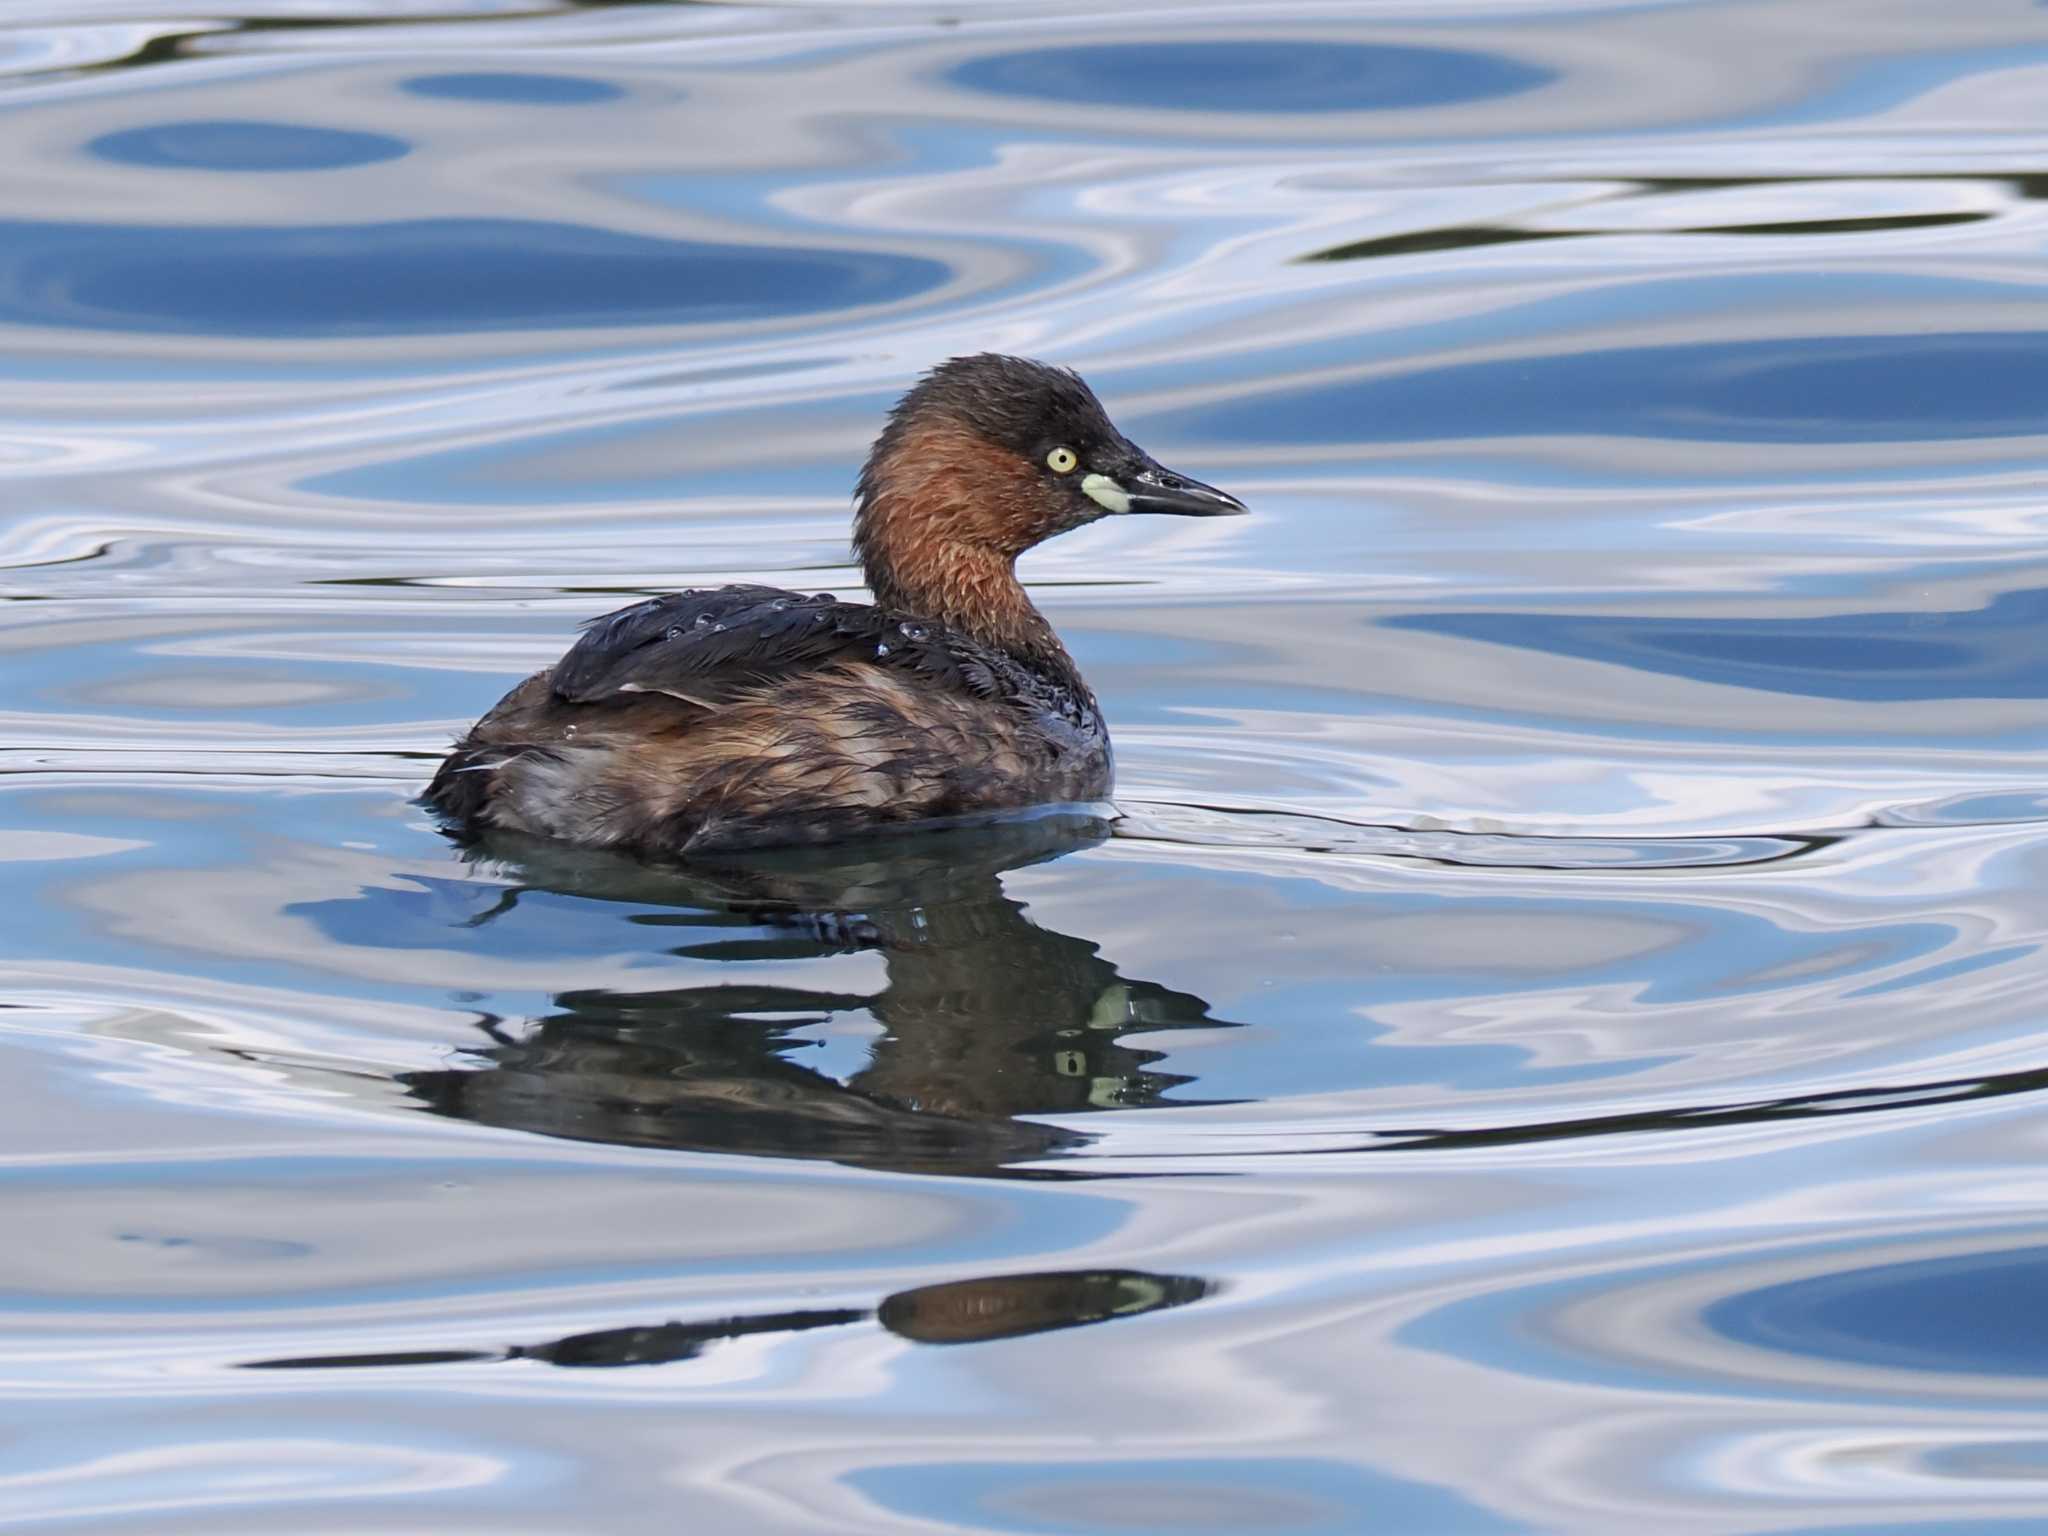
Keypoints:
pixel 1106 493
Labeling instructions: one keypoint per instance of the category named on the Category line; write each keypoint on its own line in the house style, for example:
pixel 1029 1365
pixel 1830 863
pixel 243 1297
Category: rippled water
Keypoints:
pixel 1556 1040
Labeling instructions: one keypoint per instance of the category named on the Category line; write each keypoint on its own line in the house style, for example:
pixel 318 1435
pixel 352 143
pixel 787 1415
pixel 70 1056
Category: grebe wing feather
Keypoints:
pixel 708 647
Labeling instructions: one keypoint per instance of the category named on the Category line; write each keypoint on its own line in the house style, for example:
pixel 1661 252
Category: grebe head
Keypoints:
pixel 995 454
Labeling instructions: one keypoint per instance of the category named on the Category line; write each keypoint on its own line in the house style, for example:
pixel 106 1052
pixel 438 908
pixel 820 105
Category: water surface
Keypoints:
pixel 1554 1040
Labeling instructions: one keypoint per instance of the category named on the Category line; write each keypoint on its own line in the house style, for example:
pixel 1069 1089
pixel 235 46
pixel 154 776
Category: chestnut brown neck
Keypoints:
pixel 943 516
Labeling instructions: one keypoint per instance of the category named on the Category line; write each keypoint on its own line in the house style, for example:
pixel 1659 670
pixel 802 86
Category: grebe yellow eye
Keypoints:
pixel 1061 461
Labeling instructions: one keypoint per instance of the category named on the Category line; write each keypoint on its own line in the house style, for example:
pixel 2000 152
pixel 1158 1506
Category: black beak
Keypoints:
pixel 1153 488
pixel 1143 486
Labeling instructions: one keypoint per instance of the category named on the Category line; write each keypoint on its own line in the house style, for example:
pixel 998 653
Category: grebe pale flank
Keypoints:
pixel 747 716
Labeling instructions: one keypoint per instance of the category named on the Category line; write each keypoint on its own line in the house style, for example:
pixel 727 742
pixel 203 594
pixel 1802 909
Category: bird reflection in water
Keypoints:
pixel 985 1016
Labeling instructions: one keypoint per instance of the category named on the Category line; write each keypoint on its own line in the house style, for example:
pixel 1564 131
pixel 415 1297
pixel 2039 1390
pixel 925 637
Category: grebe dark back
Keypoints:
pixel 748 716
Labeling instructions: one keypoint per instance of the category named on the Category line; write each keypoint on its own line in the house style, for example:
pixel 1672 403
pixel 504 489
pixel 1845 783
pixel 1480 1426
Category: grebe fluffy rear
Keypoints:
pixel 749 717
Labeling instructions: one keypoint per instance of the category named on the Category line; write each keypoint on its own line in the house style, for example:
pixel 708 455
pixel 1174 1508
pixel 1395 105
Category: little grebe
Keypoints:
pixel 749 716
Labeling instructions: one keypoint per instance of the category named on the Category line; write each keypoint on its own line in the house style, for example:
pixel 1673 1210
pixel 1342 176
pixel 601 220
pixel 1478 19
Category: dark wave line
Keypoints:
pixel 1466 236
pixel 1805 1106
pixel 173 47
pixel 2028 188
pixel 1771 848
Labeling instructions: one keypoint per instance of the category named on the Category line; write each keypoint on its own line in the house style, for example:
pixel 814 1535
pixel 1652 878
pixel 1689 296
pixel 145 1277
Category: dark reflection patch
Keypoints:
pixel 960 1312
pixel 420 276
pixel 1977 1313
pixel 649 1344
pixel 987 1020
pixel 982 1018
pixel 1010 1306
pixel 528 89
pixel 1993 652
pixel 234 145
pixel 1233 75
pixel 1813 389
